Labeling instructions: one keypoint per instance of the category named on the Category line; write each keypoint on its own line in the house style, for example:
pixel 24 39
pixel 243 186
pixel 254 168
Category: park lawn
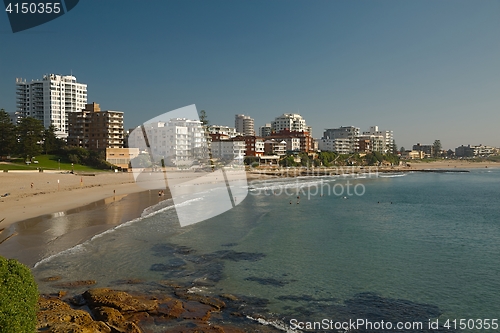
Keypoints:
pixel 48 162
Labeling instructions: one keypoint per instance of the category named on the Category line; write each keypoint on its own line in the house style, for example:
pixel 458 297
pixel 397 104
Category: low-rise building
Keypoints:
pixel 305 139
pixel 339 146
pixel 275 147
pixel 254 145
pixel 222 129
pixel 427 149
pixel 474 151
pixel 121 157
pixel 228 149
pixel 413 154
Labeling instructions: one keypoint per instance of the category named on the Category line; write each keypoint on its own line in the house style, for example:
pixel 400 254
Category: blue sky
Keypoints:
pixel 425 69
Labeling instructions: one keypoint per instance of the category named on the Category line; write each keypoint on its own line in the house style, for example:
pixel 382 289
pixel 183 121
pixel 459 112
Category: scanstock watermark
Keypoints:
pixel 25 15
pixel 173 151
pixel 342 181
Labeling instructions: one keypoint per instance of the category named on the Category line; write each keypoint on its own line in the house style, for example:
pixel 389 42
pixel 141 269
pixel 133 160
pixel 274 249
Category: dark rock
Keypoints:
pixel 196 311
pixel 169 307
pixel 57 316
pixel 239 256
pixel 115 320
pixel 78 300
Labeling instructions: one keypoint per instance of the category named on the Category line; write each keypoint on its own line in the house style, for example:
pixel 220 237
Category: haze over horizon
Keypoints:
pixel 425 69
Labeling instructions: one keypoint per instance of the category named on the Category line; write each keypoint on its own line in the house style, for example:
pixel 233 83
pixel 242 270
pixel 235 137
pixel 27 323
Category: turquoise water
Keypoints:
pixel 426 239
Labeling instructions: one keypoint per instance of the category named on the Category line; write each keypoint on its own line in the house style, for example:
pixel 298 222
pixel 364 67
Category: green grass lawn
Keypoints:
pixel 47 162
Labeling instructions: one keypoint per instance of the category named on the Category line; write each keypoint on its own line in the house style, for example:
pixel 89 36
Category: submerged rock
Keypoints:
pixel 75 284
pixel 267 281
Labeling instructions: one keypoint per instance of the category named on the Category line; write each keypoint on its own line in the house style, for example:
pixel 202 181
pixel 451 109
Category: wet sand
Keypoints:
pixel 34 239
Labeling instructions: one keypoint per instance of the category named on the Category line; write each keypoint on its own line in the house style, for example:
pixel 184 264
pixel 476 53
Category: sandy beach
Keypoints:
pixel 56 192
pixel 449 164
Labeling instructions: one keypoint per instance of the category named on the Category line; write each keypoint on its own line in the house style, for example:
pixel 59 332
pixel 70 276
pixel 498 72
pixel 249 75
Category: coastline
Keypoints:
pixel 57 192
pixel 27 211
pixel 62 210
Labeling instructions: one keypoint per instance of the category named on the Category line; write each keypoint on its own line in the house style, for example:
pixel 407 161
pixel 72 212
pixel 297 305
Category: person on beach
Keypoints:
pixel 32 185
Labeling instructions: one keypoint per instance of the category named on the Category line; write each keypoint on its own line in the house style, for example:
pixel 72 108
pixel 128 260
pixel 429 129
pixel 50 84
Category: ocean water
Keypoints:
pixel 403 247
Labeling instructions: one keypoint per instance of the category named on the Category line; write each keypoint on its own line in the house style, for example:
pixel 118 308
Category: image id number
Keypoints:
pixel 34 8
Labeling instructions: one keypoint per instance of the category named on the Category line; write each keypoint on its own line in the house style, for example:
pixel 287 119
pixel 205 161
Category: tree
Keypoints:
pixel 18 297
pixel 436 148
pixel 288 161
pixel 204 119
pixel 7 134
pixel 402 149
pixel 51 142
pixel 394 148
pixel 30 135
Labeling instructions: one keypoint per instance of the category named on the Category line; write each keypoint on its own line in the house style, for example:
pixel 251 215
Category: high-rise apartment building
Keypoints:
pixel 342 140
pixel 51 100
pixel 388 138
pixel 291 122
pixel 244 125
pixel 94 129
pixel 177 141
pixel 265 130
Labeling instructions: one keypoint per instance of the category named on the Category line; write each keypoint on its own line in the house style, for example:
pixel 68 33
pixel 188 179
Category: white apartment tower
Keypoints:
pixel 50 100
pixel 244 125
pixel 342 140
pixel 177 141
pixel 291 122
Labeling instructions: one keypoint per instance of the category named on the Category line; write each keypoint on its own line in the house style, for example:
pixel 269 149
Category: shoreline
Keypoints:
pixel 95 209
pixel 27 211
pixel 56 192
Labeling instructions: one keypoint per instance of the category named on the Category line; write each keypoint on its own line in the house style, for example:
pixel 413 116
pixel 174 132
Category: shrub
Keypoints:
pixel 18 297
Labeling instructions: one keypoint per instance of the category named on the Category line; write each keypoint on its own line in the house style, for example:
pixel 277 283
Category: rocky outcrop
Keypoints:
pixel 119 300
pixel 56 316
pixel 104 310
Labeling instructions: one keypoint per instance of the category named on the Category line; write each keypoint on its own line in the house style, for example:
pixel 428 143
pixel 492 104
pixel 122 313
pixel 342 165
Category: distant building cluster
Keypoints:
pixel 61 101
pixel 348 140
pixel 287 133
pixel 475 151
pixel 420 151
